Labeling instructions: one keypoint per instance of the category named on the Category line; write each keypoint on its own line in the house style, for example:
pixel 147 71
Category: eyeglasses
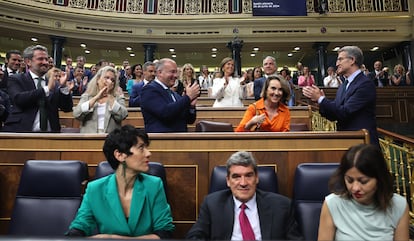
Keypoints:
pixel 342 58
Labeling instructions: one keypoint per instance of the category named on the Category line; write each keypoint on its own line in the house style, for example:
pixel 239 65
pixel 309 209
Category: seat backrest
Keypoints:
pixel 309 191
pixel 299 127
pixel 267 179
pixel 48 197
pixel 155 168
pixel 213 126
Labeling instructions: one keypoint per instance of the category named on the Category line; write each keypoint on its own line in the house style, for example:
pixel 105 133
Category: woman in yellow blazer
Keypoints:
pixel 128 203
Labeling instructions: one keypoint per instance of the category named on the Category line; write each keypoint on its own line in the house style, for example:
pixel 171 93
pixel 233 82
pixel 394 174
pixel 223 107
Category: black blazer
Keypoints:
pixel 216 218
pixel 25 97
pixel 161 113
pixel 4 81
pixel 383 79
pixel 355 108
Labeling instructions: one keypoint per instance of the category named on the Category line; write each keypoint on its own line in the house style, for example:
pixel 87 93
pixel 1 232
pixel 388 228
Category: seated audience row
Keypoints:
pixel 362 206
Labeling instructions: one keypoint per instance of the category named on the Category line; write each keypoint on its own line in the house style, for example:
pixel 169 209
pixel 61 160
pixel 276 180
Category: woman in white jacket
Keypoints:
pixel 227 90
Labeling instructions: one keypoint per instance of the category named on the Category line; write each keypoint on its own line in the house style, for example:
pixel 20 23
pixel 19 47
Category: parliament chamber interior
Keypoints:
pixel 203 32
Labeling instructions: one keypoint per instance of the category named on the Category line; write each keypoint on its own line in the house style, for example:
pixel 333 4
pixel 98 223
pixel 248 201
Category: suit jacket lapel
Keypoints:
pixel 265 217
pixel 137 203
pixel 112 197
pixel 164 92
pixel 28 78
pixel 228 217
pixel 354 84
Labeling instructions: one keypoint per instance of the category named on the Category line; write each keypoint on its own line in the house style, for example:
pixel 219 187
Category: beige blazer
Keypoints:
pixel 89 117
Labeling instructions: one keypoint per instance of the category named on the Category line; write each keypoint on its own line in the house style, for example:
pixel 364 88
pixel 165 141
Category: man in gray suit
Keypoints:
pixel 270 215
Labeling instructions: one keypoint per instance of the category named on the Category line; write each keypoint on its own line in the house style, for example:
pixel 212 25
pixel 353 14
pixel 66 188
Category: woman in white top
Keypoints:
pixel 227 90
pixel 101 108
pixel 363 205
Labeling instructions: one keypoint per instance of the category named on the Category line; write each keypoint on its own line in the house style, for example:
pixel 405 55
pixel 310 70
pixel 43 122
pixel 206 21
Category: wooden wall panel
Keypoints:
pixel 188 158
pixel 393 103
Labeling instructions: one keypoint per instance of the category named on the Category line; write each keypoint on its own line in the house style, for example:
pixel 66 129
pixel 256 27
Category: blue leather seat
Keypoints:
pixel 267 179
pixel 309 191
pixel 155 169
pixel 48 197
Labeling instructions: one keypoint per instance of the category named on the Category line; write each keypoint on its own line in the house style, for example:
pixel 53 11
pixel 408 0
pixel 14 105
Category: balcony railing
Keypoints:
pixel 217 7
pixel 398 153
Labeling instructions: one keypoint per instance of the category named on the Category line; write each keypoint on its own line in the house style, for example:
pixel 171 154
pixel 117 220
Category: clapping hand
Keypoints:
pixel 63 78
pixel 193 91
pixel 312 92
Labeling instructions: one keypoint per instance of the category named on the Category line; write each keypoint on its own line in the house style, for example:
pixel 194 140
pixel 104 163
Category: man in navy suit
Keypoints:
pixel 269 69
pixel 164 110
pixel 149 75
pixel 354 105
pixel 26 96
pixel 270 215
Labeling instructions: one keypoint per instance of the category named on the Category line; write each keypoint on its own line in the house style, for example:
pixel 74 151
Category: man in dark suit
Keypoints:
pixel 28 96
pixel 149 75
pixel 12 67
pixel 164 110
pixel 269 69
pixel 379 76
pixel 270 215
pixel 354 105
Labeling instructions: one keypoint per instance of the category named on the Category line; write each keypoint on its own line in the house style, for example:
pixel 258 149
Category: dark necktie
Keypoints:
pixel 345 83
pixel 170 92
pixel 42 107
pixel 245 227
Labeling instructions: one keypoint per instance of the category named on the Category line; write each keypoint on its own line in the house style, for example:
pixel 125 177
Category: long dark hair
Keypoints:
pixel 369 160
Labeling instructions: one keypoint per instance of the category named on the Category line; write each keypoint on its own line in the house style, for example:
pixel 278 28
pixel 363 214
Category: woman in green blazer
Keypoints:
pixel 128 203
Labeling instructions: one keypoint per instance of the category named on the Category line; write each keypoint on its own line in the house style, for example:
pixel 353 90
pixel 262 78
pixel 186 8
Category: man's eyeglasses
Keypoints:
pixel 342 58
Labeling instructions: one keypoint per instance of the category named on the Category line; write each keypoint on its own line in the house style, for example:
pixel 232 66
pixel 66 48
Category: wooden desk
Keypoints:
pixel 233 115
pixel 188 158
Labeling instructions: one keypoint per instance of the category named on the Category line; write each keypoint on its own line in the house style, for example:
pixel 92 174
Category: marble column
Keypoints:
pixel 57 49
pixel 149 51
pixel 235 46
pixel 320 48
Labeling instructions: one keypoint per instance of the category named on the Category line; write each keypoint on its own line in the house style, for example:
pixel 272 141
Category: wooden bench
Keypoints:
pixel 300 115
pixel 188 158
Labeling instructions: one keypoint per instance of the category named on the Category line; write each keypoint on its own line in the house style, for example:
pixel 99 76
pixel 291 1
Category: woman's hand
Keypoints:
pixel 255 122
pixel 258 119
